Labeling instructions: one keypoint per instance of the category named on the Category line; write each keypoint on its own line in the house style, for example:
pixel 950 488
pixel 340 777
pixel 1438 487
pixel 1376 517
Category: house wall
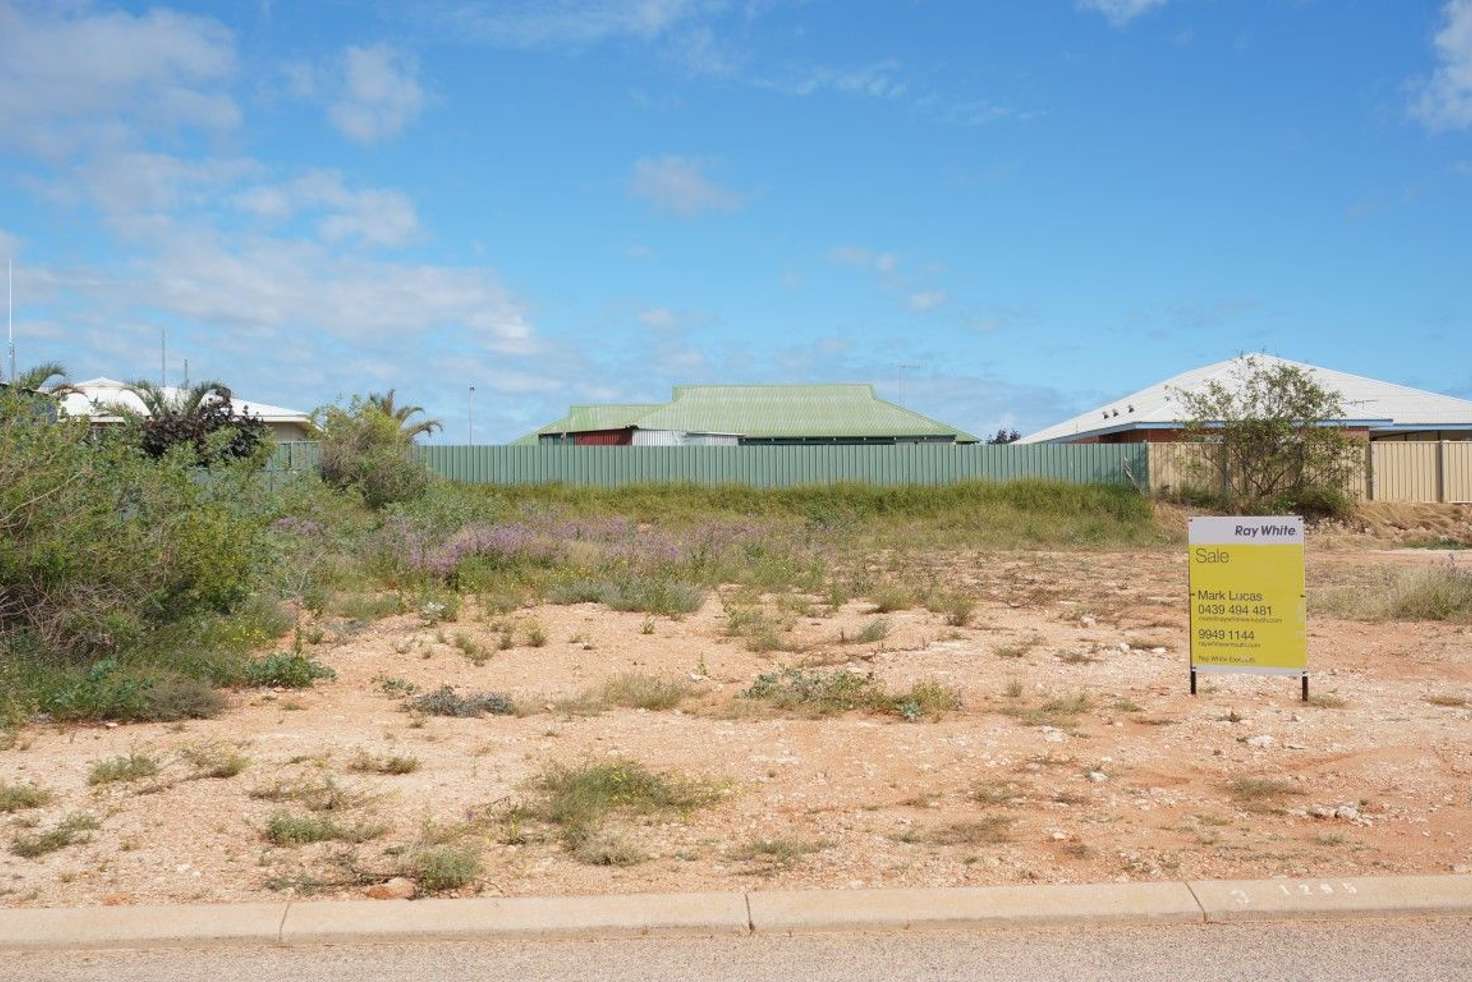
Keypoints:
pixel 680 438
pixel 1176 435
pixel 289 432
pixel 604 438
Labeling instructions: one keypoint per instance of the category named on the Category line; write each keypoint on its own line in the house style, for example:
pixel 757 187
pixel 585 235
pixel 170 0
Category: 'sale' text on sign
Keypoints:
pixel 1247 595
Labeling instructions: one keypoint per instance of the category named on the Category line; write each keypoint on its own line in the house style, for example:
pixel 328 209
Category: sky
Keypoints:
pixel 999 213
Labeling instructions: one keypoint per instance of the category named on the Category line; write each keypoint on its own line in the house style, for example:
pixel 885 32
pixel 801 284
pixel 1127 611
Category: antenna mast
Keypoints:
pixel 10 312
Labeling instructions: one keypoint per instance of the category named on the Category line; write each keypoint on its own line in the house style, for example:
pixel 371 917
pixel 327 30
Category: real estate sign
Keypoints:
pixel 1247 596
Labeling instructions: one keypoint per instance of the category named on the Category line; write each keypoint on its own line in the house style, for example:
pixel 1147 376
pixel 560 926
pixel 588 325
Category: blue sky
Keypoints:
pixel 998 212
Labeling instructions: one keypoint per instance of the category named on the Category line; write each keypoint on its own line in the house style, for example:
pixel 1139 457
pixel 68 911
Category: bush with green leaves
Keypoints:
pixel 285 670
pixel 100 545
pixel 202 419
pixel 1273 437
pixel 370 451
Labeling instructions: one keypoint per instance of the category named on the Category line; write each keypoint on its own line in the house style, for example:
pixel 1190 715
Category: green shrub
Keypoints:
pixel 68 831
pixel 99 544
pixel 822 694
pixel 286 670
pixel 365 762
pixel 636 690
pixel 876 630
pixel 364 449
pixel 436 869
pixel 216 761
pixel 579 799
pixel 130 694
pixel 16 797
pixel 285 829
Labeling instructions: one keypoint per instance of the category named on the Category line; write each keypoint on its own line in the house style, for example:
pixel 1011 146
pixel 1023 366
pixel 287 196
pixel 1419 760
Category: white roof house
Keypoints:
pixel 1384 409
pixel 97 399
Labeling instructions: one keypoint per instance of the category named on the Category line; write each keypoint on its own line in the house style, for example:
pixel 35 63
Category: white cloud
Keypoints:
pixel 281 283
pixel 379 93
pixel 925 301
pixel 72 76
pixel 679 185
pixel 880 80
pixel 134 183
pixel 373 216
pixel 1120 12
pixel 659 318
pixel 1445 100
pixel 884 263
pixel 537 23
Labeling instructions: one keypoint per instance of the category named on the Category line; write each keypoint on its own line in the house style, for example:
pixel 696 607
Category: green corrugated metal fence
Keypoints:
pixel 780 467
pixel 290 458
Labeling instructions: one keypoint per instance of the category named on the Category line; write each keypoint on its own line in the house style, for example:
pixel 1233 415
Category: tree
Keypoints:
pixel 366 448
pixel 384 403
pixel 1277 436
pixel 1004 435
pixel 201 416
pixel 39 377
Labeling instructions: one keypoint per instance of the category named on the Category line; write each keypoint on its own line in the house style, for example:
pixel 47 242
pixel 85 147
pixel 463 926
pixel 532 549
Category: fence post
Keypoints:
pixel 1440 471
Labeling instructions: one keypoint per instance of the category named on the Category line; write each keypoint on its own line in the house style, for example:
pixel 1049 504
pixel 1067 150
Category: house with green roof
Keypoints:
pixel 766 415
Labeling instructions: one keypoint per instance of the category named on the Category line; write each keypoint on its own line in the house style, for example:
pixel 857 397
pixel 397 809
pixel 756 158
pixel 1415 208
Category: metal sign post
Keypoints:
pixel 1248 611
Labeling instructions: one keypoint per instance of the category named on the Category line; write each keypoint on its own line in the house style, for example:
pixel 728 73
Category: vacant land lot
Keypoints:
pixel 931 716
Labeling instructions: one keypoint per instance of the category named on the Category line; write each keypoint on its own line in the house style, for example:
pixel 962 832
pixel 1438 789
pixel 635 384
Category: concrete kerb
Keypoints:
pixel 761 912
pixel 960 907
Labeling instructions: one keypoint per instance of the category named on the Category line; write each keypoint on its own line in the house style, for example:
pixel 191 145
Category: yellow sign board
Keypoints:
pixel 1247 596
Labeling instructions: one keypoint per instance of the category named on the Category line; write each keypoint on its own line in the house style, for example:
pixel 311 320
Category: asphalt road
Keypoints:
pixel 1399 949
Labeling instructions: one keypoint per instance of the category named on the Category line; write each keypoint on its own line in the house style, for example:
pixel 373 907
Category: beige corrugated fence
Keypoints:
pixel 1413 471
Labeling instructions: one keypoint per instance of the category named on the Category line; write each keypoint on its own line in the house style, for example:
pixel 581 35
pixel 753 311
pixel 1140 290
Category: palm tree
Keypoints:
pixel 384 403
pixel 38 377
pixel 158 402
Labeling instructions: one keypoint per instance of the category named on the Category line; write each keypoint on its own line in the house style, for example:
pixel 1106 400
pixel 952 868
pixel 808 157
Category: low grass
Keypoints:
pixel 998 792
pixel 286 829
pixel 1059 712
pixel 129 767
pixel 18 797
pixel 1433 593
pixel 445 701
pixel 1261 792
pixel 471 649
pixel 394 764
pixel 366 606
pixel 958 609
pixel 1017 649
pixel 323 794
pixel 578 800
pixel 638 690
pixel 217 761
pixel 890 597
pixel 648 593
pixel 608 849
pixel 69 831
pixel 813 693
pixel 987 830
pixel 760 631
pixel 876 630
pixel 769 856
pixel 1451 700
